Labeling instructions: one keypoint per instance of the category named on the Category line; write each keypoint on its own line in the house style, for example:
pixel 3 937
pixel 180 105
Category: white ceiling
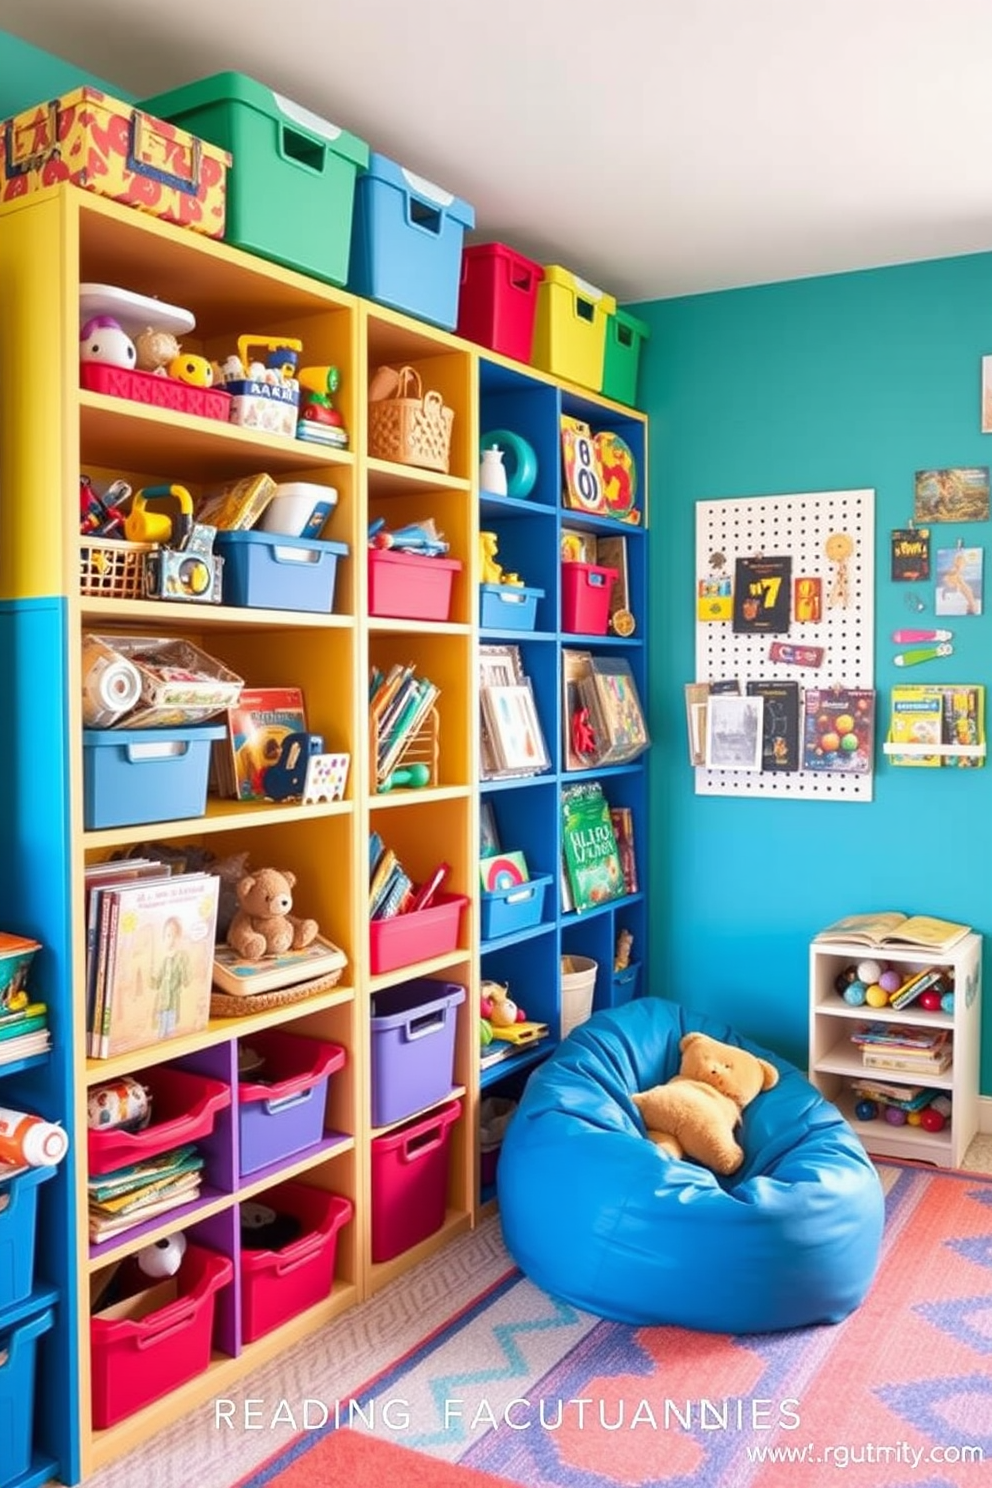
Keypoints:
pixel 657 147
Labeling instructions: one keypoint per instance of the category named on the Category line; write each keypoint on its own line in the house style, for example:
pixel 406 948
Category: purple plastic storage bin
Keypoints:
pixel 413 1047
pixel 281 1110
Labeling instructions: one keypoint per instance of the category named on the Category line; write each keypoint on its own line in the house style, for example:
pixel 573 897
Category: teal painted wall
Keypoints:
pixel 850 381
pixel 28 74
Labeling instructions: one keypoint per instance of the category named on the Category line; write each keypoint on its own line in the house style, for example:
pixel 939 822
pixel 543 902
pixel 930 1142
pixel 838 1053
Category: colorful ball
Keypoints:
pixel 854 993
pixel 930 1000
pixel 844 979
pixel 875 996
pixel 931 1120
pixel 868 972
pixel 947 1003
pixel 866 1110
pixel 913 1118
pixel 890 980
pixel 895 1116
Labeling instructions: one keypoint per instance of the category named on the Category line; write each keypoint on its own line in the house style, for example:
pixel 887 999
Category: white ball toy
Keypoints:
pixel 869 972
pixel 163 1258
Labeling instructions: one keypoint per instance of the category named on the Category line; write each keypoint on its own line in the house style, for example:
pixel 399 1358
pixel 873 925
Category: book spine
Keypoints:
pixel 109 950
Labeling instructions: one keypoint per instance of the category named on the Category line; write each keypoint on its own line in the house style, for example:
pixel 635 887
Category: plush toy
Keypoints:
pixel 498 1008
pixel 694 1114
pixel 263 925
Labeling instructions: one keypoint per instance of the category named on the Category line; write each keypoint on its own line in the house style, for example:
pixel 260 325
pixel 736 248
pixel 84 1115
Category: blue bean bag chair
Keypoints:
pixel 593 1213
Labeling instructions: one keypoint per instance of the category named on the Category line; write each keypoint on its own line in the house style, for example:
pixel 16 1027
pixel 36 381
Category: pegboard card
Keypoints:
pixel 797 525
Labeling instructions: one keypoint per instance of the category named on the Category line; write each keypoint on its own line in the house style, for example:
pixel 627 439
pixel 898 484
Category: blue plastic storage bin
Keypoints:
pixel 413 1047
pixel 508 606
pixel 625 983
pixel 145 775
pixel 406 243
pixel 18 1226
pixel 519 907
pixel 281 1110
pixel 18 1348
pixel 266 571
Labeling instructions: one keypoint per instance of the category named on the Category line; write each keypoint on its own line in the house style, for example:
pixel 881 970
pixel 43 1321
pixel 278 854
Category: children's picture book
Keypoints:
pixel 896 930
pixel 97 877
pixel 762 600
pixel 159 947
pixel 734 731
pixel 609 692
pixel 504 870
pixel 957 494
pixel 964 725
pixel 780 723
pixel 916 718
pixel 611 552
pixel 583 472
pixel 592 857
pixel 959 581
pixel 622 818
pixel 839 731
pixel 514 729
pixel 257 727
pixel 909 548
pixel 232 973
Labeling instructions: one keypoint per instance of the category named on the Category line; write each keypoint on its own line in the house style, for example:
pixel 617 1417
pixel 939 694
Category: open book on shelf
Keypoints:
pixel 891 930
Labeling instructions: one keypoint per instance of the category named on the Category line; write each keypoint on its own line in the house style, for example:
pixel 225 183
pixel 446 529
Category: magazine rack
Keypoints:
pixel 416 765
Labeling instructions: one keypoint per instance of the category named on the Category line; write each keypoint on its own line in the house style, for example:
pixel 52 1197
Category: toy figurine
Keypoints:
pixel 104 339
pixel 319 421
pixel 196 370
pixel 156 349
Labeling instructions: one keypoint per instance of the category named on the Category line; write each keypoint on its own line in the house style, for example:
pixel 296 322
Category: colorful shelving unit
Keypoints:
pixel 49 245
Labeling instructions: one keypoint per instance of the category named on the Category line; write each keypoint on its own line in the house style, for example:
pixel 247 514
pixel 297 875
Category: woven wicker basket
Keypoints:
pixel 406 424
pixel 230 1005
pixel 112 568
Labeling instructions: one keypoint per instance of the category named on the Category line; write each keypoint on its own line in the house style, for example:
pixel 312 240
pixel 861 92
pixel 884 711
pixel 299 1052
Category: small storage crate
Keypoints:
pixel 139 1359
pixel 111 568
pixel 497 301
pixel 585 598
pixel 410 1182
pixel 625 983
pixel 508 606
pixel 570 329
pixel 406 244
pixel 184 1107
pixel 281 1112
pixel 145 775
pixel 405 939
pixel 291 188
pixel 156 392
pixel 625 335
pixel 508 911
pixel 116 150
pixel 263 570
pixel 413 1047
pixel 410 586
pixel 18 1378
pixel 278 1284
pixel 18 1227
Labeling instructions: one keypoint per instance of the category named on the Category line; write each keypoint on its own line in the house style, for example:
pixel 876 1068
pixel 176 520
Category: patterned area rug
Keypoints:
pixel 533 1391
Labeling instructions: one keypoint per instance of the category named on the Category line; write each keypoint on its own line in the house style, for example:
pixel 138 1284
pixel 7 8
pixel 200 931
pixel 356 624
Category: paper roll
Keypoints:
pixel 111 684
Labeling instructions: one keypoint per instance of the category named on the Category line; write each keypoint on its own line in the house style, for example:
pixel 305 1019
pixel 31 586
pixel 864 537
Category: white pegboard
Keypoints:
pixel 797 525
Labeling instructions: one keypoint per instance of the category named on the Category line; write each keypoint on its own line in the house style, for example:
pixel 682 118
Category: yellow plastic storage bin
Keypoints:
pixel 570 329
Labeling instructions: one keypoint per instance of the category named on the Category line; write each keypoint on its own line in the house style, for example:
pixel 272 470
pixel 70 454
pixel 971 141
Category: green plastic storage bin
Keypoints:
pixel 291 187
pixel 625 335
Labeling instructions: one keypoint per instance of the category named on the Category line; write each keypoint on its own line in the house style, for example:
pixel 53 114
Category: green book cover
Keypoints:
pixel 592 857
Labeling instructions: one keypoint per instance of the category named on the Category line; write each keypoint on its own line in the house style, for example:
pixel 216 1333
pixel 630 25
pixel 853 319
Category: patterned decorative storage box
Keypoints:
pixel 119 151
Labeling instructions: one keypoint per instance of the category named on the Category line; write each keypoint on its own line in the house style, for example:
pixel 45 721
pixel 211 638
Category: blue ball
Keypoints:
pixel 854 993
pixel 866 1110
pixel 947 1003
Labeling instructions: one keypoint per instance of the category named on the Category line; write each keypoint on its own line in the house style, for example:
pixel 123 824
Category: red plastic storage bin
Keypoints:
pixel 159 392
pixel 136 1361
pixel 497 300
pixel 281 1112
pixel 277 1284
pixel 410 1182
pixel 405 939
pixel 585 598
pixel 184 1109
pixel 409 586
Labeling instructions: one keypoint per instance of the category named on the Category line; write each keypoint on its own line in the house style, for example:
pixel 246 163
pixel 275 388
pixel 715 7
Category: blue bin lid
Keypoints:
pixel 192 732
pixel 278 540
pixel 381 168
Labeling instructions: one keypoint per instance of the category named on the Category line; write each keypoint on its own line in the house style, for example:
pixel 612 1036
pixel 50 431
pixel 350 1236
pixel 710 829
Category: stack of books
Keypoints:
pixel 23 1020
pixel 890 1046
pixel 399 705
pixel 126 1197
pixel 390 886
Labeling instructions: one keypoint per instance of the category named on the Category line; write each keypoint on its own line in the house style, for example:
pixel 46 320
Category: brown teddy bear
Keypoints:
pixel 694 1114
pixel 263 925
